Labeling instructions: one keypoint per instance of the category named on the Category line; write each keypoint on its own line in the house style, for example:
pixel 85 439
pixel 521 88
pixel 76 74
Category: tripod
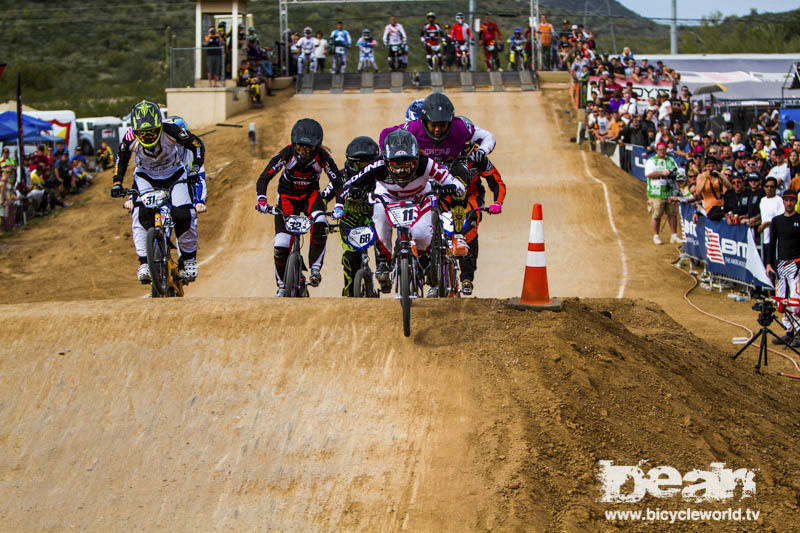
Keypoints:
pixel 765 318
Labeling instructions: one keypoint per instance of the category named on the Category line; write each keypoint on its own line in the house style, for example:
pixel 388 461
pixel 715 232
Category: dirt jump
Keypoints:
pixel 232 409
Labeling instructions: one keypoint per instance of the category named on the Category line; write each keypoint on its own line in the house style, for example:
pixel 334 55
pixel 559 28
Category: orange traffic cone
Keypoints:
pixel 535 293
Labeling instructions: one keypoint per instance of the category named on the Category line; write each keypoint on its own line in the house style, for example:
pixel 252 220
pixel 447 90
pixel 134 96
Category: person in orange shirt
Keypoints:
pixel 711 186
pixel 545 34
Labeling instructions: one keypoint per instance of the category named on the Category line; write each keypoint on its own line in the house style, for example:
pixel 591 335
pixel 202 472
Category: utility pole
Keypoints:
pixel 535 42
pixel 585 10
pixel 673 30
pixel 472 48
pixel 611 20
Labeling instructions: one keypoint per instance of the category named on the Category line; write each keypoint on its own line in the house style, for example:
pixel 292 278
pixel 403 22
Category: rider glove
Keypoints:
pixel 338 211
pixel 496 208
pixel 477 156
pixel 262 205
pixel 117 191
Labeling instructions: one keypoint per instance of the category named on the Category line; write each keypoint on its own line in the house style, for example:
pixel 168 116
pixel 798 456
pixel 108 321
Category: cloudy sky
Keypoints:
pixel 700 8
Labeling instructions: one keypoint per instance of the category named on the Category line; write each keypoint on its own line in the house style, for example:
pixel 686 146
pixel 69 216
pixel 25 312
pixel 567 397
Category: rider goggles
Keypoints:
pixel 149 136
pixel 358 164
pixel 401 167
pixel 304 150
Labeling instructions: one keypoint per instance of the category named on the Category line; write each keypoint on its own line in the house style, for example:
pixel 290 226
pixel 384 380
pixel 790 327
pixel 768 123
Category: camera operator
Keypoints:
pixel 782 254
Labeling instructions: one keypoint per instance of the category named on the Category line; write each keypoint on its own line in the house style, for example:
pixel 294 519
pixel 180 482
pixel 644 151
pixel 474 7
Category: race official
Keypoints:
pixel 660 187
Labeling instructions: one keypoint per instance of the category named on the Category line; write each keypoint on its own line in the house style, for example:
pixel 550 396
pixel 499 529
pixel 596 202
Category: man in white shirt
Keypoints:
pixel 394 33
pixel 770 206
pixel 629 106
pixel 780 171
pixel 664 109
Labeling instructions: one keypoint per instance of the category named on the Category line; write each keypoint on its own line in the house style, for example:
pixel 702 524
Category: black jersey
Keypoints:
pixel 301 178
pixel 784 242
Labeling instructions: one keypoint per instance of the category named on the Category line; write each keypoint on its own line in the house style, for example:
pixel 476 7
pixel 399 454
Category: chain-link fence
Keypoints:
pixel 188 64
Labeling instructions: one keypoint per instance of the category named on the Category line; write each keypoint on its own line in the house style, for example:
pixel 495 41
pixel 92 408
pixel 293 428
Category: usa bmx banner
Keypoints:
pixel 726 250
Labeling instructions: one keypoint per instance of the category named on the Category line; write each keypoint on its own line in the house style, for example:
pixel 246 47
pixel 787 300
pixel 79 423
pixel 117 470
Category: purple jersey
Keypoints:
pixel 461 132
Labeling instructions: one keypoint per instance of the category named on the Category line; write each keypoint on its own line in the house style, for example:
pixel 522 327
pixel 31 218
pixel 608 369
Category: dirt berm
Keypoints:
pixel 231 409
pixel 486 419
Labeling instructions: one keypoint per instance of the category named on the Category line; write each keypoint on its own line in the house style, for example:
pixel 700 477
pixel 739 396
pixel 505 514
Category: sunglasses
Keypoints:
pixel 737 181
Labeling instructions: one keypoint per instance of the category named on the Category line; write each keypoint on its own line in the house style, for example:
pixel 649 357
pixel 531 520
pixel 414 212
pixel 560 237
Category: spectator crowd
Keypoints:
pixel 51 174
pixel 727 174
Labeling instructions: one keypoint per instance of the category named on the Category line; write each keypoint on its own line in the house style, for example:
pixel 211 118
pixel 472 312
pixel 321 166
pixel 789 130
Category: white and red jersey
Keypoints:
pixel 427 171
pixel 431 34
pixel 394 34
pixel 461 32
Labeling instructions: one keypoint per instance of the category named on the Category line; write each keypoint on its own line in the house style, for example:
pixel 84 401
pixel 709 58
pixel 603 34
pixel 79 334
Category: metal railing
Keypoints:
pixel 186 65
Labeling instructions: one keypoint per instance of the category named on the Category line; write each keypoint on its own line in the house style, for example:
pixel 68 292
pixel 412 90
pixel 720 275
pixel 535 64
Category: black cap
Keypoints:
pixel 789 193
pixel 754 176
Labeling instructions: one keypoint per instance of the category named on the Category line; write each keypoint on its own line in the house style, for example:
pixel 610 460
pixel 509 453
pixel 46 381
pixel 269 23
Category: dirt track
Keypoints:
pixel 226 410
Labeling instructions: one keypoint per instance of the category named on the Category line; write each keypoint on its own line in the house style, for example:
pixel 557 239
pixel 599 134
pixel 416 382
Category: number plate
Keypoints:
pixel 463 46
pixel 339 49
pixel 297 225
pixel 435 47
pixel 402 215
pixel 490 47
pixel 361 237
pixel 154 199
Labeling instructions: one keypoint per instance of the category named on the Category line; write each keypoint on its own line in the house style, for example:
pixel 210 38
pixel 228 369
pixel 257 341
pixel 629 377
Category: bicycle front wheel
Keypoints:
pixel 291 279
pixel 157 262
pixel 405 296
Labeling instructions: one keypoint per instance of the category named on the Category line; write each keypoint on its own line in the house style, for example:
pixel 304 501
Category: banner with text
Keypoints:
pixel 726 250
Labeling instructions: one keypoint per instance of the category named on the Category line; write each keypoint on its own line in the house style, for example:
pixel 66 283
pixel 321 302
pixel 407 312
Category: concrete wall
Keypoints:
pixel 206 106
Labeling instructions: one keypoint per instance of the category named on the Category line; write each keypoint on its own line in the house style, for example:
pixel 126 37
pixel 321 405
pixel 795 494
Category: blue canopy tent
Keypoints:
pixel 30 126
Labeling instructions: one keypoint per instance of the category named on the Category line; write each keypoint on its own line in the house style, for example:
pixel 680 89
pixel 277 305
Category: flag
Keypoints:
pixel 754 264
pixel 22 179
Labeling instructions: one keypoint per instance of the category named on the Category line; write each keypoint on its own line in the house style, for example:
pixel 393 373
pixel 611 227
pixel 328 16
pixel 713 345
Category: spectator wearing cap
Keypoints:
pixel 769 207
pixel 781 255
pixel 78 156
pixel 753 181
pixel 659 170
pixel 60 148
pixel 737 198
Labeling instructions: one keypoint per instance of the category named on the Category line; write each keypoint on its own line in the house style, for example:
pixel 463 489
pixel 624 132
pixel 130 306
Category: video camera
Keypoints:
pixel 766 311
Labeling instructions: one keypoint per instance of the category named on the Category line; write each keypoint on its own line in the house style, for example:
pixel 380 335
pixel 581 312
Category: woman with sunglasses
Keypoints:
pixel 302 162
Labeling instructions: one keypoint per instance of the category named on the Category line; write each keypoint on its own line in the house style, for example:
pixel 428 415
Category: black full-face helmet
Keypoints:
pixel 401 153
pixel 437 115
pixel 360 152
pixel 306 139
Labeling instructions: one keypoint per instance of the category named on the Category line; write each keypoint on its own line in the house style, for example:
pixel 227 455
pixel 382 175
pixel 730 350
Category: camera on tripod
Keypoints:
pixel 766 311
